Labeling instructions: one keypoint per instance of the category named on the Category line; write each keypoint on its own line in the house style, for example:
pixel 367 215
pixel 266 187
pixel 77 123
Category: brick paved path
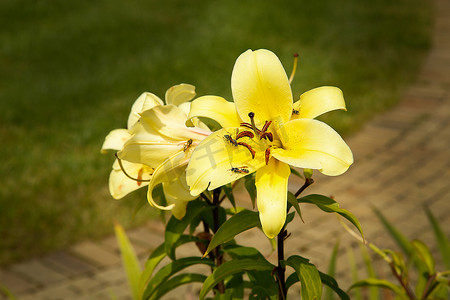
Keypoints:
pixel 402 161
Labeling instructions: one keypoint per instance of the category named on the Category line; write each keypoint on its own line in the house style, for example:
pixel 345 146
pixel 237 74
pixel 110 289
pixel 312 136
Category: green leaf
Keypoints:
pixel 233 267
pixel 354 272
pixel 289 218
pixel 329 205
pixel 331 283
pixel 442 241
pixel 238 223
pixel 398 237
pixel 156 257
pixel 130 260
pixel 311 285
pixel 381 283
pixel 296 173
pixel 332 269
pixel 326 279
pixel 175 227
pixel 251 187
pixel 424 254
pixel 374 293
pixel 162 275
pixel 7 293
pixel 175 282
pixel 228 189
pixel 235 287
pixel 293 201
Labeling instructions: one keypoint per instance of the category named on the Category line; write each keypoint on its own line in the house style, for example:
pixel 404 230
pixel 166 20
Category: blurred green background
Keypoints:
pixel 70 70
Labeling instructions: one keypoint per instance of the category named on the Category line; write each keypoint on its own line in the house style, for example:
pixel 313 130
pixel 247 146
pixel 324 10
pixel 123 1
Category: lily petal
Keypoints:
pixel 212 161
pixel 177 193
pixel 169 121
pixel 147 147
pixel 260 85
pixel 169 171
pixel 120 185
pixel 312 144
pixel 318 101
pixel 115 140
pixel 216 108
pixel 144 102
pixel 271 186
pixel 180 93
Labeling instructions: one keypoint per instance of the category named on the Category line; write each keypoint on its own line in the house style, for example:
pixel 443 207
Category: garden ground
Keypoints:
pixel 401 163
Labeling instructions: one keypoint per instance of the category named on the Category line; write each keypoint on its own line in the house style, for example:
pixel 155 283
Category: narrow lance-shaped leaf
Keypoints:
pixel 175 282
pixel 168 270
pixel 251 187
pixel 238 223
pixel 383 284
pixel 374 293
pixel 232 267
pixel 129 259
pixel 228 189
pixel 443 241
pixel 332 269
pixel 354 272
pixel 329 205
pixel 424 254
pixel 311 285
pixel 156 257
pixel 175 227
pixel 293 201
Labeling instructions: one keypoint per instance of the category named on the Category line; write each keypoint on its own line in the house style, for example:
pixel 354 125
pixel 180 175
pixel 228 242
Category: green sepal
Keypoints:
pixel 311 285
pixel 130 260
pixel 230 268
pixel 238 223
pixel 175 227
pixel 175 282
pixel 168 270
pixel 381 283
pixel 329 205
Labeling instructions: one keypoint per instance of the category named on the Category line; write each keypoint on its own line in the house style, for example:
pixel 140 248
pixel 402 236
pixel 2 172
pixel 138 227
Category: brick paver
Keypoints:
pixel 402 162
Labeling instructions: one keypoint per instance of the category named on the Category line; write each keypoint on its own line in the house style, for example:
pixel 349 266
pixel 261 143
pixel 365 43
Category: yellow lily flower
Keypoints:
pixel 265 132
pixel 119 184
pixel 160 140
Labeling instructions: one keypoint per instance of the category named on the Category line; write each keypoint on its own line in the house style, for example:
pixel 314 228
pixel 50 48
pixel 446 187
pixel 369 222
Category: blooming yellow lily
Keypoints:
pixel 161 141
pixel 265 132
pixel 155 147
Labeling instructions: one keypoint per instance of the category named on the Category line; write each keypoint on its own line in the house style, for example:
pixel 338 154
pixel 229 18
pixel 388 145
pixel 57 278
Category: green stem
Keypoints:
pixel 216 224
pixel 281 269
pixel 308 182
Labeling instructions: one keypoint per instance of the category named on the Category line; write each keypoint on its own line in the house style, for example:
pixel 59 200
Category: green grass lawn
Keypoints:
pixel 70 70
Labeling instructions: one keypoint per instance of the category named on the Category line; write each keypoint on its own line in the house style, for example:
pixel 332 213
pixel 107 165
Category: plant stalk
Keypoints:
pixel 281 269
pixel 219 259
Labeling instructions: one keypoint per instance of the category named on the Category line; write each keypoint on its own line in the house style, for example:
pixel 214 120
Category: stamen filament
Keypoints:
pixel 294 68
pixel 126 174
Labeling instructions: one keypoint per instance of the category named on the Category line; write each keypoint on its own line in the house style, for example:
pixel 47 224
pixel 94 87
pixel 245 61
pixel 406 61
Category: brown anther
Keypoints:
pixel 248 147
pixel 267 155
pixel 266 126
pixel 139 177
pixel 267 135
pixel 245 133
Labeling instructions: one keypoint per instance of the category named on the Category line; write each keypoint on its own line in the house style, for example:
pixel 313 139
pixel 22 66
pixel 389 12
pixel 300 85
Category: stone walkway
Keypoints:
pixel 402 161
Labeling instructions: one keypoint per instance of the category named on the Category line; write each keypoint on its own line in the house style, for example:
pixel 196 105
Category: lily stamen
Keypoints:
pixel 294 68
pixel 246 133
pixel 126 174
pixel 248 147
